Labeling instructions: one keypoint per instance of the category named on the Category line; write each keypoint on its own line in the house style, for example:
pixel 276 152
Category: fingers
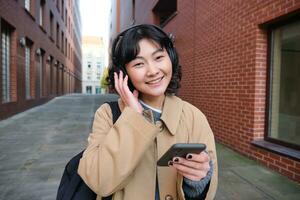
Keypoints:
pixel 119 84
pixel 125 86
pixel 194 167
pixel 192 163
pixel 201 157
pixel 130 99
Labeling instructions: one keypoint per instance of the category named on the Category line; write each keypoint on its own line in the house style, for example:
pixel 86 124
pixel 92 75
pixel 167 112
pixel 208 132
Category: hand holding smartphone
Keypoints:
pixel 180 150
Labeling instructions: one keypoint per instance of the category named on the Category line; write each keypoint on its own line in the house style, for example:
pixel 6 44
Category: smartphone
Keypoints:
pixel 180 150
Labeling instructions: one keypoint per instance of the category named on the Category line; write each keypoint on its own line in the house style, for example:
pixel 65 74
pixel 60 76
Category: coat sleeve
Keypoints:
pixel 113 151
pixel 202 133
pixel 206 136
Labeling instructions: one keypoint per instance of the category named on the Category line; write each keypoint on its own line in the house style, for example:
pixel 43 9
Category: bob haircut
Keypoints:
pixel 125 48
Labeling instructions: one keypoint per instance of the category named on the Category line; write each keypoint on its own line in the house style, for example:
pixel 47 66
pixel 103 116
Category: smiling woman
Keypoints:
pixel 150 72
pixel 145 72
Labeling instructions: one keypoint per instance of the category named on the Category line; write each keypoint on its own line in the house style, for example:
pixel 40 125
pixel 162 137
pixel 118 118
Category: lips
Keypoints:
pixel 155 81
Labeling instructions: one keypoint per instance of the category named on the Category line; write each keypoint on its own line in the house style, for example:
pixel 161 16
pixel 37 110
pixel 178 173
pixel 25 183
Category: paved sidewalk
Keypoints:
pixel 36 144
pixel 243 179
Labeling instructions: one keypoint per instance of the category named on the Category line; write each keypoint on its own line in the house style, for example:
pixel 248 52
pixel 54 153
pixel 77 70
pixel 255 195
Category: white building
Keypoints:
pixel 92 64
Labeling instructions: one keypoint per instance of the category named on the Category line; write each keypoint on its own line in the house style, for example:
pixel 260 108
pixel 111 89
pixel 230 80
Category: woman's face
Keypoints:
pixel 151 71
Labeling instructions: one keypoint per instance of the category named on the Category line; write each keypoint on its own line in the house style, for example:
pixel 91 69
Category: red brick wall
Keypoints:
pixel 224 57
pixel 26 24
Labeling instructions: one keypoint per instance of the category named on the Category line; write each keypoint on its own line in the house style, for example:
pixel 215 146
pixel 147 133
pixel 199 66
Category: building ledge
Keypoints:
pixel 51 38
pixel 43 29
pixel 275 148
pixel 30 14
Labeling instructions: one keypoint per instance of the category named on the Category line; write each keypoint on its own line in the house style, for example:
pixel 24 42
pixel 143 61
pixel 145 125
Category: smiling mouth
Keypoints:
pixel 155 81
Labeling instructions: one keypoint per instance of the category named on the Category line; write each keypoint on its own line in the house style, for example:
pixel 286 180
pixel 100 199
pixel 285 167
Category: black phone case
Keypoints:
pixel 180 150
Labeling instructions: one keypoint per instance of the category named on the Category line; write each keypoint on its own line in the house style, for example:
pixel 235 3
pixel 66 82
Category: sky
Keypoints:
pixel 95 19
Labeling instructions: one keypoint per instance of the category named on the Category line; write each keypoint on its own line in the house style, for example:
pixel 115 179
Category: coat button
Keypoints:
pixel 160 125
pixel 168 197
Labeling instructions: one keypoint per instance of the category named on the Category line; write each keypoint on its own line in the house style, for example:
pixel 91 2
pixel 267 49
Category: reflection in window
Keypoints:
pixel 27 71
pixel 284 111
pixel 41 13
pixel 5 49
pixel 27 5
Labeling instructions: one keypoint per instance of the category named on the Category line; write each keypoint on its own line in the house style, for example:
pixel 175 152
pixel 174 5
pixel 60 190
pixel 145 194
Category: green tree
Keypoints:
pixel 103 81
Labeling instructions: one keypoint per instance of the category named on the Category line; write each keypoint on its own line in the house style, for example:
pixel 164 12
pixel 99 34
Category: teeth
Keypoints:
pixel 155 81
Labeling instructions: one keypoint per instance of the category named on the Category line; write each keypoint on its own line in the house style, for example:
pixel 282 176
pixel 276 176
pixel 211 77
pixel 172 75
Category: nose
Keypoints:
pixel 152 69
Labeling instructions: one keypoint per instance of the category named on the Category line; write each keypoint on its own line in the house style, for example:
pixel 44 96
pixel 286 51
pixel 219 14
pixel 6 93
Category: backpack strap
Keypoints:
pixel 115 109
pixel 116 112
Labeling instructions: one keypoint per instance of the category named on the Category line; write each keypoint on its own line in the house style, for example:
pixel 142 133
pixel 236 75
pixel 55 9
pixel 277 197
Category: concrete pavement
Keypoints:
pixel 36 144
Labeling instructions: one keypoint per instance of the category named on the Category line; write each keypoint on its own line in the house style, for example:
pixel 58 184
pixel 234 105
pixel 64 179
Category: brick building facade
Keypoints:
pixel 40 52
pixel 235 55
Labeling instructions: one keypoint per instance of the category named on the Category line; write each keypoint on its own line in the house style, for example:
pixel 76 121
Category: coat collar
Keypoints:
pixel 170 114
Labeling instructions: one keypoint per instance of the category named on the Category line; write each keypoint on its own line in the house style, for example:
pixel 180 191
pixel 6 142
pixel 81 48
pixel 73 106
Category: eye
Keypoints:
pixel 138 65
pixel 160 57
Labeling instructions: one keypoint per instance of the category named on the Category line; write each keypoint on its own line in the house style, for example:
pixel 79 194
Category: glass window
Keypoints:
pixel 51 24
pixel 5 49
pixel 89 89
pixel 41 73
pixel 133 12
pixel 164 11
pixel 27 5
pixel 98 90
pixel 62 41
pixel 284 110
pixel 42 5
pixel 27 71
pixel 57 35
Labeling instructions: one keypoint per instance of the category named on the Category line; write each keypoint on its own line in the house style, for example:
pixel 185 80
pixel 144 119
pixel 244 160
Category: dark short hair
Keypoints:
pixel 125 48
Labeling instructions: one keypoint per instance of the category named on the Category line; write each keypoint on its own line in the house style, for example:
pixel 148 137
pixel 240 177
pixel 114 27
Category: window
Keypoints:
pixel 66 18
pixel 98 66
pixel 97 90
pixel 51 25
pixel 69 24
pixel 89 89
pixel 62 41
pixel 27 5
pixel 57 35
pixel 41 70
pixel 5 49
pixel 66 46
pixel 62 9
pixel 27 71
pixel 133 12
pixel 41 13
pixel 164 11
pixel 98 76
pixel 57 5
pixel 284 98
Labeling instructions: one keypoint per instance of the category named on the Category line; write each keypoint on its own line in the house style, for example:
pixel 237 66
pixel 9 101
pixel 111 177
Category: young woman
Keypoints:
pixel 121 158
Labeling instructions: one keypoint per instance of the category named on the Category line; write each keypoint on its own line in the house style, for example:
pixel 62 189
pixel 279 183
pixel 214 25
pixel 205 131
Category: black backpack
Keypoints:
pixel 71 186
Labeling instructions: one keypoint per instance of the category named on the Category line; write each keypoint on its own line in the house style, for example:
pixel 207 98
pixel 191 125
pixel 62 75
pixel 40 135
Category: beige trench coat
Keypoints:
pixel 120 159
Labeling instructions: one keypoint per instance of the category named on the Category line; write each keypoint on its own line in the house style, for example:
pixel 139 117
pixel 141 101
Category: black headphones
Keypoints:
pixel 118 41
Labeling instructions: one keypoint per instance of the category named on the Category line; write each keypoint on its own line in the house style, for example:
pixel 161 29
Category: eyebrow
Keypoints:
pixel 158 50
